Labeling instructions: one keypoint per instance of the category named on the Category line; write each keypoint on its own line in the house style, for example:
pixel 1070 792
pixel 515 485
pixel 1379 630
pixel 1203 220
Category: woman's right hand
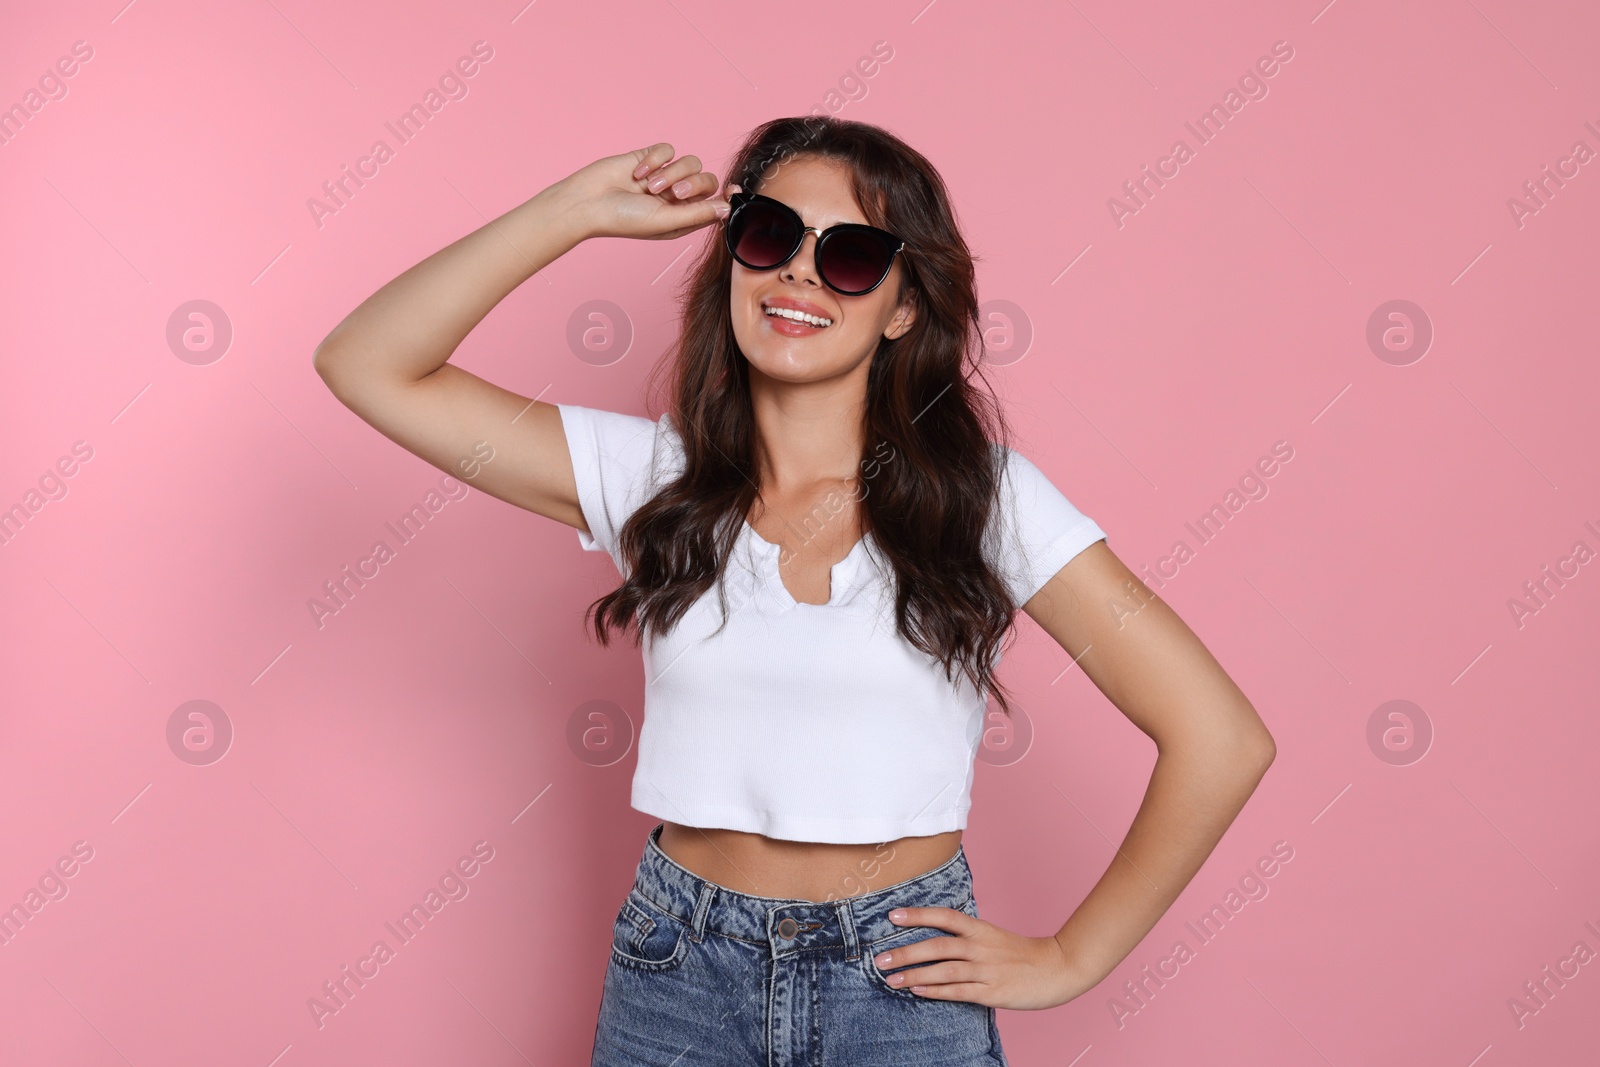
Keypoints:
pixel 615 197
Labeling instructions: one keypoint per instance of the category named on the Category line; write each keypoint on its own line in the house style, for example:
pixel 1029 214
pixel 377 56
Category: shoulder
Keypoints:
pixel 618 462
pixel 614 438
pixel 1023 483
pixel 616 427
pixel 1036 528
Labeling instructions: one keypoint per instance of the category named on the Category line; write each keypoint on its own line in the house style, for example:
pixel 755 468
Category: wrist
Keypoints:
pixel 559 211
pixel 1079 973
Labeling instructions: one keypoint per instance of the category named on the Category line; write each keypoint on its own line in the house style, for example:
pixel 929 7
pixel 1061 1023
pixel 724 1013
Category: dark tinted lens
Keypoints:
pixel 763 236
pixel 853 261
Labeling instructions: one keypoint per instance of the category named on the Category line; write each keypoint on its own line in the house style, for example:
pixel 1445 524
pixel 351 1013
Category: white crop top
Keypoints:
pixel 807 722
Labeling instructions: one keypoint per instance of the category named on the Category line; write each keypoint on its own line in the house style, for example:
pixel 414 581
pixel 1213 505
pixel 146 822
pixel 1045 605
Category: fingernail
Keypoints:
pixel 883 960
pixel 641 170
pixel 681 189
pixel 897 915
pixel 721 211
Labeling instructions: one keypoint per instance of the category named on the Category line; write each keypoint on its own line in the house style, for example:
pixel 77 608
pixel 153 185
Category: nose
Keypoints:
pixel 803 264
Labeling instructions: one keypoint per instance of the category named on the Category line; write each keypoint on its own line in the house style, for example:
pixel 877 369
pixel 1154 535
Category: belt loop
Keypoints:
pixel 697 922
pixel 847 927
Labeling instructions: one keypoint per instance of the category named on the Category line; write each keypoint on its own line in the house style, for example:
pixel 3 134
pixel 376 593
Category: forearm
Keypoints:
pixel 410 327
pixel 1194 794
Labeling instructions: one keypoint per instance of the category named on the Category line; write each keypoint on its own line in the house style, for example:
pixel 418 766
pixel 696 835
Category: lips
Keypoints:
pixel 792 327
pixel 787 327
pixel 794 304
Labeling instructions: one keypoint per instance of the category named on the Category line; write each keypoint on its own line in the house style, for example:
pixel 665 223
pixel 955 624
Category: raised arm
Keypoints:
pixel 388 360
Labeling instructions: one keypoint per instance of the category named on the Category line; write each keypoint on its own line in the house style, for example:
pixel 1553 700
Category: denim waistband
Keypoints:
pixel 790 925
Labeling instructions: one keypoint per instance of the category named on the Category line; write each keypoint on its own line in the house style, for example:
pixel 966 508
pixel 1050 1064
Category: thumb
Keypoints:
pixel 694 214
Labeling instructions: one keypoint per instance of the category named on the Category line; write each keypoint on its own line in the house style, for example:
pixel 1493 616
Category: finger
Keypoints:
pixel 650 158
pixel 972 991
pixel 935 974
pixel 691 217
pixel 941 918
pixel 929 948
pixel 694 187
pixel 674 172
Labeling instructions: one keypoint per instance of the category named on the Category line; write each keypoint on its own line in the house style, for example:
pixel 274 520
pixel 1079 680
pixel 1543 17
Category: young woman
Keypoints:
pixel 823 542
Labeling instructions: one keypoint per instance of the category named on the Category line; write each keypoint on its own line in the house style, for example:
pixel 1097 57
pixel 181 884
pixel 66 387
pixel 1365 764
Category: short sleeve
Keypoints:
pixel 619 462
pixel 1038 530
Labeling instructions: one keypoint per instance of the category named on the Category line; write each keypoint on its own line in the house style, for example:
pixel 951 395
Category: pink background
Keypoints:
pixel 1168 354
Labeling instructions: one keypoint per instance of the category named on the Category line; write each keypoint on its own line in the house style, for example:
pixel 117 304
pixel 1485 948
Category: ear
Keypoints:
pixel 903 317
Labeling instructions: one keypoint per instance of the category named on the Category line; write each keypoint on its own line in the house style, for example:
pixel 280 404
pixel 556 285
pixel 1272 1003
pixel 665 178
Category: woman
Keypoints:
pixel 823 545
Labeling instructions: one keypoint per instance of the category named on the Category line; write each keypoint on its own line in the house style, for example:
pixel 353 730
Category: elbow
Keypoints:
pixel 1253 740
pixel 321 360
pixel 1250 750
pixel 1261 750
pixel 325 364
pixel 1243 753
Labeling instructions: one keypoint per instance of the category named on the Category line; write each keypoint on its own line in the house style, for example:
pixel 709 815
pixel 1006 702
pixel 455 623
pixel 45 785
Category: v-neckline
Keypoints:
pixel 839 575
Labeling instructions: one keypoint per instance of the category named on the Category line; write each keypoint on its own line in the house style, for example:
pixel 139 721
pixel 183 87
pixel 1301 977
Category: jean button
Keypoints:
pixel 787 928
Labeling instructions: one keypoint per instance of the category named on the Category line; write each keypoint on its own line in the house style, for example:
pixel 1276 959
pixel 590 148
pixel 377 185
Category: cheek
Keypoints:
pixel 739 313
pixel 868 324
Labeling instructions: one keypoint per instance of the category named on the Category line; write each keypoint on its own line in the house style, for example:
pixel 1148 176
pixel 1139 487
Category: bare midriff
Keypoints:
pixel 802 870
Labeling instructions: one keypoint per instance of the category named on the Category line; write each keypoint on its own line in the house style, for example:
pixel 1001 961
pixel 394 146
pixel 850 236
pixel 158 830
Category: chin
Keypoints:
pixel 792 366
pixel 794 359
pixel 781 368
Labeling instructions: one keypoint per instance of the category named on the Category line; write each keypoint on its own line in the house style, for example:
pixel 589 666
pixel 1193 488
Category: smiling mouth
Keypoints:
pixel 788 315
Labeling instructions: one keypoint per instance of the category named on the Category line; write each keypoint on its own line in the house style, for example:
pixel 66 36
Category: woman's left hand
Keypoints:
pixel 982 963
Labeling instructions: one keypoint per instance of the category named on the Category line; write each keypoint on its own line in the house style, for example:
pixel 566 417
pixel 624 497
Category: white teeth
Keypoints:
pixel 799 316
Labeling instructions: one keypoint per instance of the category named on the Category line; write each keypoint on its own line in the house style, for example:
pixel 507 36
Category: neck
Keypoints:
pixel 807 434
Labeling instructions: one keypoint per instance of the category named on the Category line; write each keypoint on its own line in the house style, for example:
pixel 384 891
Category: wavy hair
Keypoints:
pixel 931 466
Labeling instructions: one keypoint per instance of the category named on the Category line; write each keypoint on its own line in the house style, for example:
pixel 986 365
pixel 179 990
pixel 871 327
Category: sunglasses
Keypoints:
pixel 852 259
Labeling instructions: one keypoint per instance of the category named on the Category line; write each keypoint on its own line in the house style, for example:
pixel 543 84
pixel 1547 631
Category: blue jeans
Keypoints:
pixel 702 976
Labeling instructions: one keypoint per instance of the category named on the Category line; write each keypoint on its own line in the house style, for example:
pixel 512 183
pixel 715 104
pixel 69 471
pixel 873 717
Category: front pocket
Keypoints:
pixel 879 976
pixel 647 938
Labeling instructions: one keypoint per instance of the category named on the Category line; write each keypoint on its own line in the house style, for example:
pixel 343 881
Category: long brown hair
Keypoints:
pixel 931 467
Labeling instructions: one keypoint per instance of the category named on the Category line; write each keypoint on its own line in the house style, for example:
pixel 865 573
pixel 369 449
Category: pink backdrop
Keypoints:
pixel 1376 261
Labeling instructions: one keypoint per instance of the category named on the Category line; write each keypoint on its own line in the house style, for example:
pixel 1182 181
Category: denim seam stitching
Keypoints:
pixel 881 981
pixel 680 952
pixel 663 909
pixel 847 928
